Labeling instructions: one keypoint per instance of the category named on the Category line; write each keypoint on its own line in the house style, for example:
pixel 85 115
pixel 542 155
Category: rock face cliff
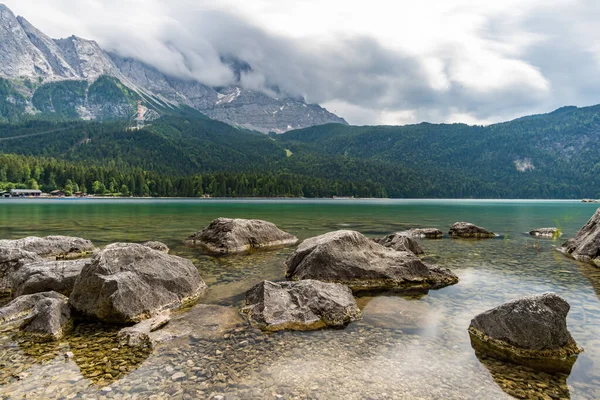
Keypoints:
pixel 52 78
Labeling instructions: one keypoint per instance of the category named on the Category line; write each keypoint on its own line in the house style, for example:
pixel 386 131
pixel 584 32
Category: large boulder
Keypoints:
pixel 41 316
pixel 11 260
pixel 348 257
pixel 585 246
pixel 227 236
pixel 44 276
pixel 531 331
pixel 469 230
pixel 304 305
pixel 129 282
pixel 157 246
pixel 202 322
pixel 550 233
pixel 422 233
pixel 61 247
pixel 399 242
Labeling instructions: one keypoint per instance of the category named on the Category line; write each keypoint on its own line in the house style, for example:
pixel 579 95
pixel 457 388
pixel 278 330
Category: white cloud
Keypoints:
pixel 372 62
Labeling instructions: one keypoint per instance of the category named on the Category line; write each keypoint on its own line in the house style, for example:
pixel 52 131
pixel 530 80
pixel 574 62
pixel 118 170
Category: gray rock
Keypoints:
pixel 203 321
pixel 399 242
pixel 255 110
pixel 546 232
pixel 304 305
pixel 44 276
pixel 129 282
pixel 422 233
pixel 531 330
pixel 11 260
pixel 233 105
pixel 227 236
pixel 157 246
pixel 42 316
pixel 585 246
pixel 61 247
pixel 350 258
pixel 138 334
pixel 468 230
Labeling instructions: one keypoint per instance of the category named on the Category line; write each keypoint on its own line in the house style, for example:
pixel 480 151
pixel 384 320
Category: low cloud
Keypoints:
pixel 462 61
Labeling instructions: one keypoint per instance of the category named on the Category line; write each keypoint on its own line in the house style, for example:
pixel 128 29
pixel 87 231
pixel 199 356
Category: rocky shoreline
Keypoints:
pixel 142 284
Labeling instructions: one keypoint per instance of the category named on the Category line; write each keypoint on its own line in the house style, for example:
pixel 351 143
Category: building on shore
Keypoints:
pixel 57 193
pixel 25 193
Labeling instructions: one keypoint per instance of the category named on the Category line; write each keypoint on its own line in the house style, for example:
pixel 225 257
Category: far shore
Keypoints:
pixel 208 199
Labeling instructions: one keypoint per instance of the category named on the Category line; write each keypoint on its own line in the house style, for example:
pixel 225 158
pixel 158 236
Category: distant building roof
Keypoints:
pixel 24 191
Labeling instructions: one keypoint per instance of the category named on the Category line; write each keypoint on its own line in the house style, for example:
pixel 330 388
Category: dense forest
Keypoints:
pixel 555 155
pixel 48 174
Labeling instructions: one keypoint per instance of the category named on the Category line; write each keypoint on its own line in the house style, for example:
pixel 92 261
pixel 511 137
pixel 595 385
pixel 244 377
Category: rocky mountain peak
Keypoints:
pixel 26 53
pixel 86 57
pixel 60 66
pixel 18 56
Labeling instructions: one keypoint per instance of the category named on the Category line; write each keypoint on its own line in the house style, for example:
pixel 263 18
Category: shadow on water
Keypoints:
pixel 593 275
pixel 18 357
pixel 95 349
pixel 523 382
pixel 98 355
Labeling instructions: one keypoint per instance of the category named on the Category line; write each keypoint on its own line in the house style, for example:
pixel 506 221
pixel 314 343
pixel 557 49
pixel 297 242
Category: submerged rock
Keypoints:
pixel 227 236
pixel 422 233
pixel 530 331
pixel 42 316
pixel 350 258
pixel 585 246
pixel 203 321
pixel 546 232
pixel 129 282
pixel 44 276
pixel 11 260
pixel 397 312
pixel 61 247
pixel 139 334
pixel 469 230
pixel 157 246
pixel 303 305
pixel 399 242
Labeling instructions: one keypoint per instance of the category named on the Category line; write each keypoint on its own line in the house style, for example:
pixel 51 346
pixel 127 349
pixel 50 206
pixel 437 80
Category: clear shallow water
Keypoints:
pixel 405 347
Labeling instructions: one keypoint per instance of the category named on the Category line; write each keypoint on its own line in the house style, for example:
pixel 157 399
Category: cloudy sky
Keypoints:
pixel 372 62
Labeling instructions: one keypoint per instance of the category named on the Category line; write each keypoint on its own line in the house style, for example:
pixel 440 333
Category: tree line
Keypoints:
pixel 49 174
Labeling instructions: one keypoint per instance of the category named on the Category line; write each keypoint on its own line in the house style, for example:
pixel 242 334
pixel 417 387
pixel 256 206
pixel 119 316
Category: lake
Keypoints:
pixel 404 347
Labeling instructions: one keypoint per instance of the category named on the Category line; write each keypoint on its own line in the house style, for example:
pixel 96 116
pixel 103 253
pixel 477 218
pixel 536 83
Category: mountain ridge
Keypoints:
pixel 30 59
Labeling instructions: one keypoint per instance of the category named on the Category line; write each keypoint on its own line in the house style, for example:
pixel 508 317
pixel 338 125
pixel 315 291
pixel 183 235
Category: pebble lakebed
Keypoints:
pixel 404 347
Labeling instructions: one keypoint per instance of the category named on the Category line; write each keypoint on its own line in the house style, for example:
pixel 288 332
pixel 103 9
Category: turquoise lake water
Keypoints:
pixel 405 347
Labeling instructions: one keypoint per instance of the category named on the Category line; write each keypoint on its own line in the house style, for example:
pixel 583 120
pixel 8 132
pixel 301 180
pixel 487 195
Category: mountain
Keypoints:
pixel 552 155
pixel 66 70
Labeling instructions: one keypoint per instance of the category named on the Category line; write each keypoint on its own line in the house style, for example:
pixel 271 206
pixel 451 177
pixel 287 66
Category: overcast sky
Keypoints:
pixel 372 62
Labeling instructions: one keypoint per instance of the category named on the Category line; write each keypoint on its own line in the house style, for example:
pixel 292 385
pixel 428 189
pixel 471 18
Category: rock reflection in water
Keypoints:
pixel 525 383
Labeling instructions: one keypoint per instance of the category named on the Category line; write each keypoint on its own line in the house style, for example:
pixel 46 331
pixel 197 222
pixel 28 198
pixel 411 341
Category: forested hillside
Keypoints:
pixel 544 156
pixel 556 155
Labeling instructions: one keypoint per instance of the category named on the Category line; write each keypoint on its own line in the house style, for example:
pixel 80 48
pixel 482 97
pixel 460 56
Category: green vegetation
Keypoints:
pixel 186 154
pixel 560 150
pixel 60 100
pixel 13 105
pixel 48 174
